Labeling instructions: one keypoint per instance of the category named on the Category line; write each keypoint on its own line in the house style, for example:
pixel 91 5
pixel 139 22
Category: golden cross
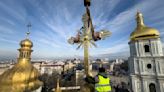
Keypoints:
pixel 88 36
pixel 28 32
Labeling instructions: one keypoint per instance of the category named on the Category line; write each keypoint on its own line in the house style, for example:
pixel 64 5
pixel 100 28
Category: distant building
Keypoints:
pixel 68 65
pixel 58 66
pixel 4 67
pixel 37 64
pixel 146 61
pixel 51 68
pixel 79 75
pixel 119 61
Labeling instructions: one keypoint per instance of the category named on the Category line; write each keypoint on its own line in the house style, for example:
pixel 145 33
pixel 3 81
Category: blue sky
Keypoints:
pixel 54 21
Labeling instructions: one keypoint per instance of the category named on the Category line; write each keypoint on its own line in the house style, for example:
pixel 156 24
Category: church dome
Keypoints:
pixel 142 31
pixel 23 76
pixel 26 43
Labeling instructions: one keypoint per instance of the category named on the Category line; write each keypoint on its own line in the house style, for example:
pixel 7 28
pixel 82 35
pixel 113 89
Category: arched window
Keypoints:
pixel 23 54
pixel 147 48
pixel 152 87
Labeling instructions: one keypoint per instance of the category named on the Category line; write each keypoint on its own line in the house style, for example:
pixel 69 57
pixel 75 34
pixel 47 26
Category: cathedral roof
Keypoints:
pixel 142 31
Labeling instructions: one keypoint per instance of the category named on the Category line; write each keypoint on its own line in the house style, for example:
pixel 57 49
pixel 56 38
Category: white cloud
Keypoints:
pixel 4 29
pixel 162 33
pixel 9 41
pixel 12 10
pixel 57 21
pixel 117 48
pixel 125 18
pixel 47 42
pixel 121 21
pixel 111 50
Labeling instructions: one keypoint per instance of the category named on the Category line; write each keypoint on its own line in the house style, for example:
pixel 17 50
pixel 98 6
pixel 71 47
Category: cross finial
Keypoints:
pixel 28 32
pixel 139 19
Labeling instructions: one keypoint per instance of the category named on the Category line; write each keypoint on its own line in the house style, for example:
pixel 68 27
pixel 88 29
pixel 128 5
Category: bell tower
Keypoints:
pixel 146 59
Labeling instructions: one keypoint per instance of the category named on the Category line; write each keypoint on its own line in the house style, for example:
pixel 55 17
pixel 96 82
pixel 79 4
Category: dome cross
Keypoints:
pixel 28 32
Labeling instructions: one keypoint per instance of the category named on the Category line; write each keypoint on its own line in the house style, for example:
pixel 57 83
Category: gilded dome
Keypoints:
pixel 23 76
pixel 142 31
pixel 26 43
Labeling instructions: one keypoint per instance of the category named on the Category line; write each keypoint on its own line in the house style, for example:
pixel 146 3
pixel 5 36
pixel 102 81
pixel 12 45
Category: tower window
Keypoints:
pixel 147 48
pixel 152 87
pixel 149 66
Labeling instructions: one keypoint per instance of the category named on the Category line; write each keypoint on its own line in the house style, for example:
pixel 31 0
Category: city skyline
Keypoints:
pixel 53 22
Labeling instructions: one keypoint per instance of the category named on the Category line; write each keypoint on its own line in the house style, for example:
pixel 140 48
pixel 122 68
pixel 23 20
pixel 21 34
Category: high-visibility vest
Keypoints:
pixel 103 85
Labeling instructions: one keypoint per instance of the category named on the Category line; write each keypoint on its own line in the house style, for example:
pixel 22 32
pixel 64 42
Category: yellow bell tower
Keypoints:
pixel 146 58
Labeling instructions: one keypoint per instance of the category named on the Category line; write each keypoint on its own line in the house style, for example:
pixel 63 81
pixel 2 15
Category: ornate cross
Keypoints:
pixel 86 36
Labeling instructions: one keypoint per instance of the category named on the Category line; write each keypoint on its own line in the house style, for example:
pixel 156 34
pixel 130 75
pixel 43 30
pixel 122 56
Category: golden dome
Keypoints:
pixel 26 43
pixel 23 76
pixel 142 31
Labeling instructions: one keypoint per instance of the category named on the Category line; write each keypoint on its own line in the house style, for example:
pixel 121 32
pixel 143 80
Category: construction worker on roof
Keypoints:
pixel 102 81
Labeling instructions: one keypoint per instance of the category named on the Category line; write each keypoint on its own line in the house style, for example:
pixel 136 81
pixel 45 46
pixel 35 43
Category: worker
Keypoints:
pixel 102 81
